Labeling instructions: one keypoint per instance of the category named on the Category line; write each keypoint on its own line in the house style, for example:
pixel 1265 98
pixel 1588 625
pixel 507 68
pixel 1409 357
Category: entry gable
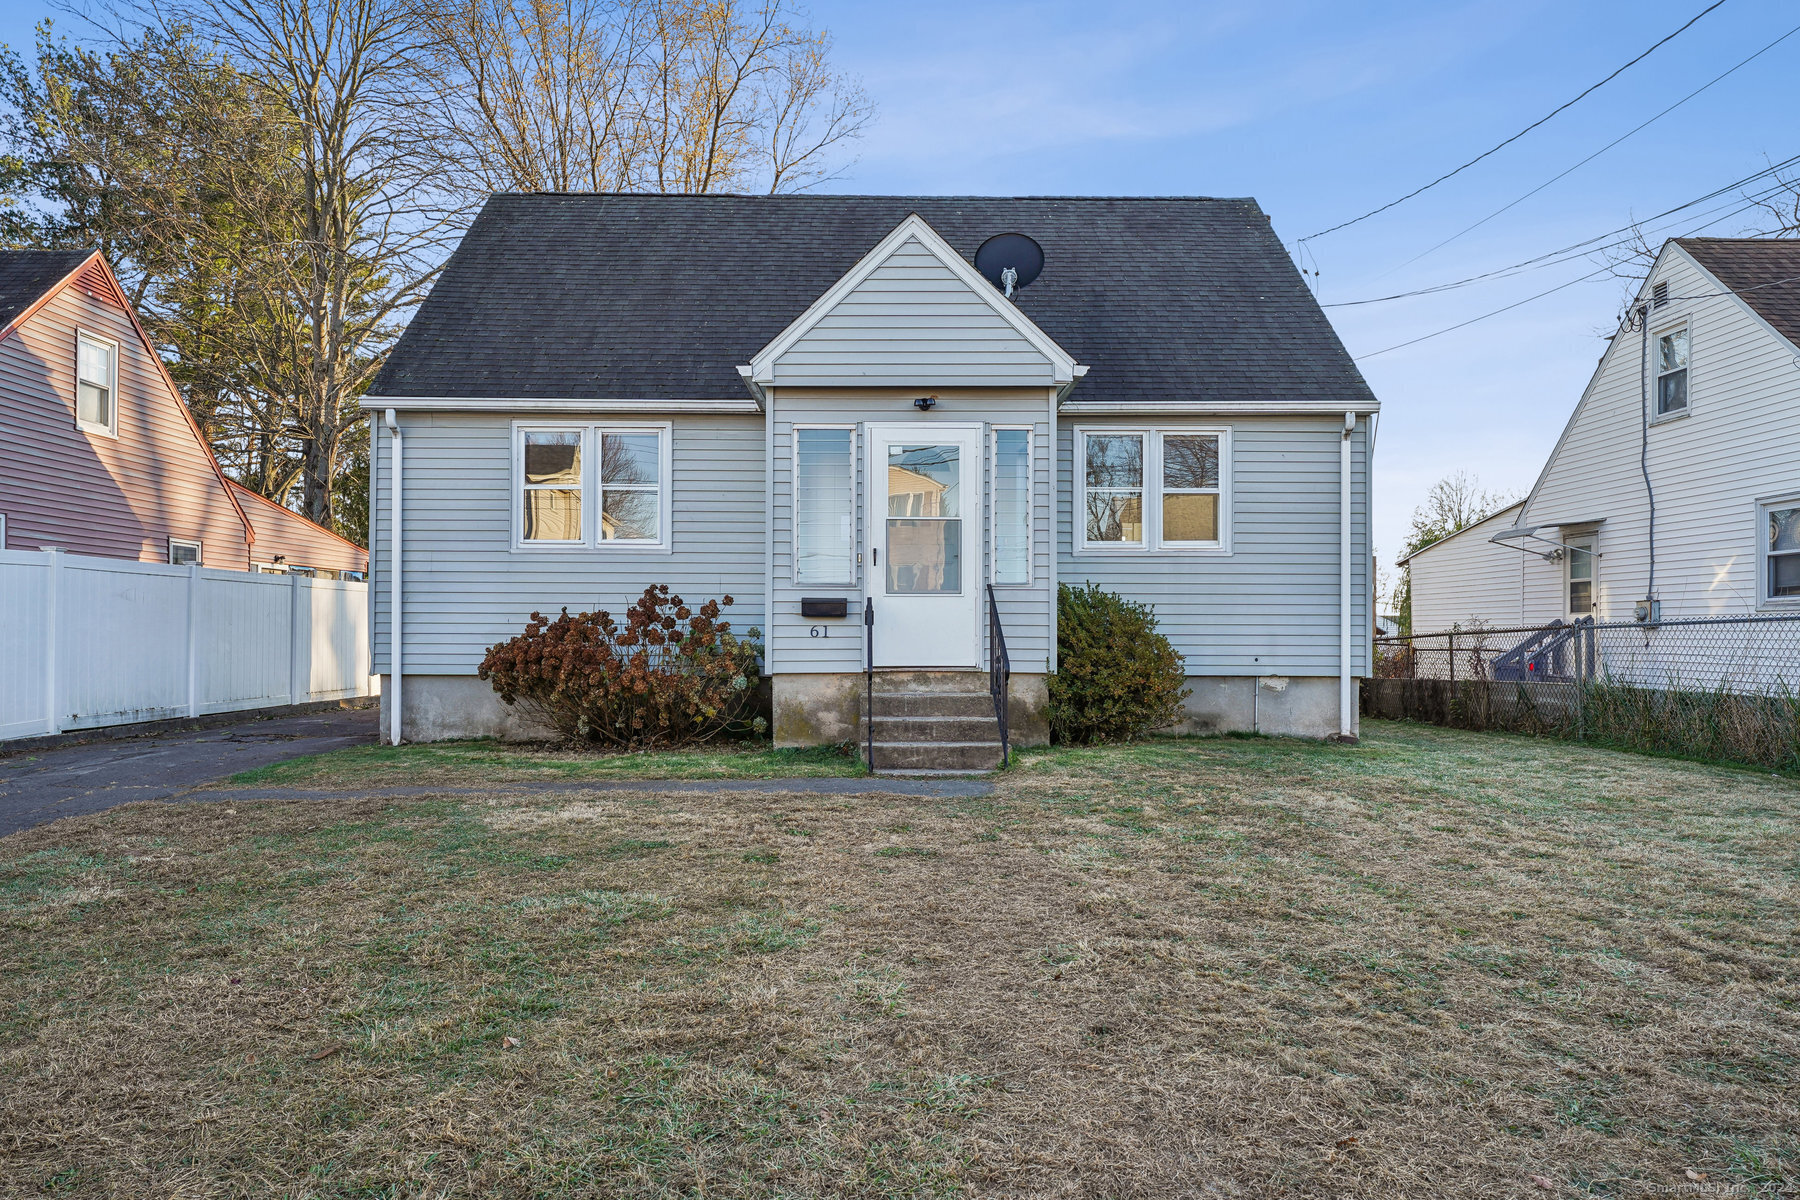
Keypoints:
pixel 913 312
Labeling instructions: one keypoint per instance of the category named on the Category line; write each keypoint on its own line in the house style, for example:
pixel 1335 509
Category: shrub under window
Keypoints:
pixel 1116 677
pixel 669 676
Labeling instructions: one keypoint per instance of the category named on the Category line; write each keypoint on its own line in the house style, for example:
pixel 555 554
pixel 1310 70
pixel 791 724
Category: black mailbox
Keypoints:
pixel 824 606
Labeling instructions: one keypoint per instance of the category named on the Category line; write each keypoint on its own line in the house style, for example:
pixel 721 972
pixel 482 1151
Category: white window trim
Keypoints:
pixel 794 504
pixel 112 386
pixel 591 540
pixel 1590 541
pixel 198 545
pixel 2 531
pixel 1760 542
pixel 1153 542
pixel 1031 480
pixel 1682 324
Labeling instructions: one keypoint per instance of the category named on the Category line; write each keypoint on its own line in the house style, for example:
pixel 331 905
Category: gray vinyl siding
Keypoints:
pixel 912 322
pixel 465 588
pixel 1272 605
pixel 1025 611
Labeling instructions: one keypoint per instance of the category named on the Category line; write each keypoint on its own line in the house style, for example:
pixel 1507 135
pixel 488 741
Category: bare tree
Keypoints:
pixel 634 95
pixel 365 228
pixel 1454 502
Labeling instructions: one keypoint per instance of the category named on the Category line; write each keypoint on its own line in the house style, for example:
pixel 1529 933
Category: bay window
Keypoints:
pixel 1154 489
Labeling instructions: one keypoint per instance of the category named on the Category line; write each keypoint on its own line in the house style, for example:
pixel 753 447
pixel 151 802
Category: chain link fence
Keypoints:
pixel 1723 688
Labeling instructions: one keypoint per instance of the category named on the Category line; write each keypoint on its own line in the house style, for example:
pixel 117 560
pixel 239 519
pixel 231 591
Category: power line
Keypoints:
pixel 1596 154
pixel 1571 283
pixel 1515 137
pixel 1598 242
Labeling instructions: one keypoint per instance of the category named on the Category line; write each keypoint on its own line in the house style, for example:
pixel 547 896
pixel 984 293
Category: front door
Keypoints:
pixel 925 540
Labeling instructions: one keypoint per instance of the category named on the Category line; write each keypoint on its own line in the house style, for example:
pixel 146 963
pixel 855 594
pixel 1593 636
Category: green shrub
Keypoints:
pixel 1116 677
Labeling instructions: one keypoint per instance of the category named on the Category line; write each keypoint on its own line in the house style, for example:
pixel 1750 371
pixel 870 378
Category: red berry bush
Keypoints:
pixel 668 676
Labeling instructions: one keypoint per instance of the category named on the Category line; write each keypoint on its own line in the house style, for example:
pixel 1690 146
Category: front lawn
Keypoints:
pixel 1438 964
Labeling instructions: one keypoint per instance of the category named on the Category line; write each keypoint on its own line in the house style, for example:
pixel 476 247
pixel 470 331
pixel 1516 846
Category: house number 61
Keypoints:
pixel 823 631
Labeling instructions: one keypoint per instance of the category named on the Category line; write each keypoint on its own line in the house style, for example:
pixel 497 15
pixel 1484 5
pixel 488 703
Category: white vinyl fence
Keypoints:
pixel 89 642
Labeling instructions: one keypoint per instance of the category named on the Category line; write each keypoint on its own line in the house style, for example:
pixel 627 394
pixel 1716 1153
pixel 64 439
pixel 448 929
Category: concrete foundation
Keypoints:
pixel 1278 705
pixel 440 708
pixel 825 710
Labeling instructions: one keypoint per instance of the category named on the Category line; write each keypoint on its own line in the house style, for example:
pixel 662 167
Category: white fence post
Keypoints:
pixel 294 689
pixel 193 639
pixel 52 599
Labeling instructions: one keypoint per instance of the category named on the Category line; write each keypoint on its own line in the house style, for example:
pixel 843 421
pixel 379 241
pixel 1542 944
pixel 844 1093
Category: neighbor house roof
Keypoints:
pixel 662 297
pixel 1455 533
pixel 1764 272
pixel 26 276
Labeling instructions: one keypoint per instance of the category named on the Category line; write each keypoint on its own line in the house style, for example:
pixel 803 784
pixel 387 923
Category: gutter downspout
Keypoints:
pixel 1346 693
pixel 395 665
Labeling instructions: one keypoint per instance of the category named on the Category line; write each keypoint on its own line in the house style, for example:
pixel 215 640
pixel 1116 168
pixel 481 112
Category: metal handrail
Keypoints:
pixel 999 674
pixel 869 681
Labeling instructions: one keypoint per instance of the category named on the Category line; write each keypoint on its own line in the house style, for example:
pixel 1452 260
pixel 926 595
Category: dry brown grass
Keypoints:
pixel 1437 964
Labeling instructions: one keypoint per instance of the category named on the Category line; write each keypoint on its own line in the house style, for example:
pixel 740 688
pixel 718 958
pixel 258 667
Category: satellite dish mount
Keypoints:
pixel 1009 261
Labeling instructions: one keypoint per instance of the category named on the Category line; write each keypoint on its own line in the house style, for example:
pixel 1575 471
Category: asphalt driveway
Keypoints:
pixel 44 785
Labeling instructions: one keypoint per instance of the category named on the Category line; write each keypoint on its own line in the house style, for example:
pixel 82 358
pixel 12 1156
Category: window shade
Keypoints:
pixel 824 507
pixel 1012 506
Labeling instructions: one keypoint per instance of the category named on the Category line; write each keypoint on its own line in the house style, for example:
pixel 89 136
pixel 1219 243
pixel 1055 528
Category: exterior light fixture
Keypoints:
pixel 925 403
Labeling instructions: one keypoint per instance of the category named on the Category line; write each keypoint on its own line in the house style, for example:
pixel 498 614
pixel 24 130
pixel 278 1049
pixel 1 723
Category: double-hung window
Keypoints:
pixel 1780 537
pixel 1672 372
pixel 96 385
pixel 1154 489
pixel 591 485
pixel 824 505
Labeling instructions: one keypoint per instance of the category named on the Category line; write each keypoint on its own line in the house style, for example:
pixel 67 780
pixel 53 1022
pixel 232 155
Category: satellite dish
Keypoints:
pixel 1009 261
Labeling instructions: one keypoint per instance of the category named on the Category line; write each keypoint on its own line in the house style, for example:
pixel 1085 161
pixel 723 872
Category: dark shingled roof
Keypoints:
pixel 662 297
pixel 25 275
pixel 1764 271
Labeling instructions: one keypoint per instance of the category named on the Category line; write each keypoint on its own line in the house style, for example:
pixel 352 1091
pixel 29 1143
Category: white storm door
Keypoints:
pixel 925 523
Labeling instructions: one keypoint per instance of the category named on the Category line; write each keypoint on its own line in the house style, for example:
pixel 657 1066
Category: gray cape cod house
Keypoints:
pixel 823 407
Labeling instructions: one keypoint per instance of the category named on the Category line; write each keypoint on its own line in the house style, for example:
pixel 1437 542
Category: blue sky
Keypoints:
pixel 1322 110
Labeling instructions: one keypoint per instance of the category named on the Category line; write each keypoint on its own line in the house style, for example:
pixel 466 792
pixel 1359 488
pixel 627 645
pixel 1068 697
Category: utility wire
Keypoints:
pixel 1596 154
pixel 1571 283
pixel 1515 137
pixel 1598 242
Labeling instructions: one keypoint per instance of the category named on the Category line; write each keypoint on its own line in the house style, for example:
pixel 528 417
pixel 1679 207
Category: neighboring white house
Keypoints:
pixel 1695 410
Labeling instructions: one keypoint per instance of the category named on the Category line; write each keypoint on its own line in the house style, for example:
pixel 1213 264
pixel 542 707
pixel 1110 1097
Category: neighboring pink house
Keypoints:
pixel 102 456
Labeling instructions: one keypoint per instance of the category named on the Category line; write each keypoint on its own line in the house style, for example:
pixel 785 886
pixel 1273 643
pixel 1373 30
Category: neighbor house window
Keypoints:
pixel 1579 563
pixel 1164 489
pixel 824 506
pixel 1672 372
pixel 591 485
pixel 1012 506
pixel 1781 551
pixel 183 554
pixel 96 401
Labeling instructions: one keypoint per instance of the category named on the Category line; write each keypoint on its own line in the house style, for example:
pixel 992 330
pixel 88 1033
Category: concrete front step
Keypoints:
pixel 937 756
pixel 938 682
pixel 911 728
pixel 933 704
